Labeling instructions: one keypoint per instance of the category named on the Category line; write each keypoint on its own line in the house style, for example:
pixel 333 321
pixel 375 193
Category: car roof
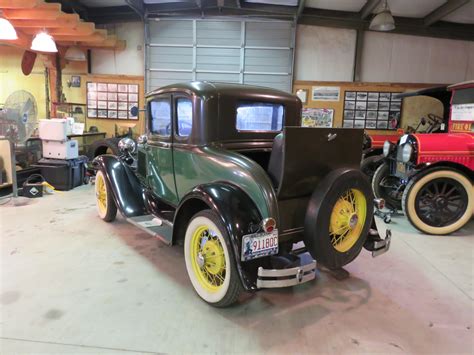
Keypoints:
pixel 434 91
pixel 462 85
pixel 207 88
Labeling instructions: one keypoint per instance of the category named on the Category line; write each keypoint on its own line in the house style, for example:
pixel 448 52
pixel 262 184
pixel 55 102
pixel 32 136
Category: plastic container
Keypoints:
pixel 64 174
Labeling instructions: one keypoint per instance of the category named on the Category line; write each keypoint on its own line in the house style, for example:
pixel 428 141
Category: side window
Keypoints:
pixel 160 117
pixel 184 115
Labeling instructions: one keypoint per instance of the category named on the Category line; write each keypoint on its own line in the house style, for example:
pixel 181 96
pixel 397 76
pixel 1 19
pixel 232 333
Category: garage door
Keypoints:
pixel 249 52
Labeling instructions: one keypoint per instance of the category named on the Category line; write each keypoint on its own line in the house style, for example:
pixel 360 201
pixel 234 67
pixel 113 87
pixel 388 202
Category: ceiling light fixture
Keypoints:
pixel 383 20
pixel 43 42
pixel 7 31
pixel 75 54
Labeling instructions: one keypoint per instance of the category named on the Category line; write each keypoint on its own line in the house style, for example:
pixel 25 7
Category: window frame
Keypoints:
pixel 240 101
pixel 157 136
pixel 177 137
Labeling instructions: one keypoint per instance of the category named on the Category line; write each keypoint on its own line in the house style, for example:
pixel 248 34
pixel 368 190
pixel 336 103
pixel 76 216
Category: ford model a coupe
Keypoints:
pixel 225 171
pixel 434 173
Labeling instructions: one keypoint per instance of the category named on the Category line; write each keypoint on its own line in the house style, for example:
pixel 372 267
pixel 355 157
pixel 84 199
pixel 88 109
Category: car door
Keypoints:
pixel 160 172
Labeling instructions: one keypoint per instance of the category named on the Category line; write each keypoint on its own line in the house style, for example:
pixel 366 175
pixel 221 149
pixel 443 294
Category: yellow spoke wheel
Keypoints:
pixel 210 264
pixel 105 203
pixel 208 259
pixel 101 194
pixel 347 220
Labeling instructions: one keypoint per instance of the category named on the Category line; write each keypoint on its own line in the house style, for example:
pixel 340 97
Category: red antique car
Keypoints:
pixel 373 143
pixel 435 172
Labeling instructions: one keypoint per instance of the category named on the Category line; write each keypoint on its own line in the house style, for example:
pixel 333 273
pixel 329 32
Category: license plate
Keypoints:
pixel 259 244
pixel 401 168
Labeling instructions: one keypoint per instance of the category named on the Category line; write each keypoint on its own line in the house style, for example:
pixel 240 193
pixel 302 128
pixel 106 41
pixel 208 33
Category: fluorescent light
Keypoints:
pixel 7 31
pixel 75 54
pixel 43 42
pixel 383 20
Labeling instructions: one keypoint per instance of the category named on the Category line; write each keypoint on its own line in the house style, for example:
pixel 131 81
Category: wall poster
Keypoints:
pixel 317 117
pixel 372 110
pixel 325 93
pixel 111 100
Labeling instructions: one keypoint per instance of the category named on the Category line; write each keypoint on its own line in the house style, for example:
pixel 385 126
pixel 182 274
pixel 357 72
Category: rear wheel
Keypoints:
pixel 439 201
pixel 104 201
pixel 387 186
pixel 209 262
pixel 338 218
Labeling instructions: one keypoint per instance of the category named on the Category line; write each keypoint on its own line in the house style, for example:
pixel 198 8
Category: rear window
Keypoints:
pixel 259 116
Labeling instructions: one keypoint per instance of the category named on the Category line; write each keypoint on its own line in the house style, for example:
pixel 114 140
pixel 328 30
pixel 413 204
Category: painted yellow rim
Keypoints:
pixel 347 220
pixel 208 259
pixel 101 194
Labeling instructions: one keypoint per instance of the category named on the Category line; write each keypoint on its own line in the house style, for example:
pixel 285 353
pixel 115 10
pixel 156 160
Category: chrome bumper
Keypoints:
pixel 381 246
pixel 273 278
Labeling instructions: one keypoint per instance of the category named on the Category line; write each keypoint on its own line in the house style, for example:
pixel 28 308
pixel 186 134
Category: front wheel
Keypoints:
pixel 209 262
pixel 387 186
pixel 369 165
pixel 104 200
pixel 439 201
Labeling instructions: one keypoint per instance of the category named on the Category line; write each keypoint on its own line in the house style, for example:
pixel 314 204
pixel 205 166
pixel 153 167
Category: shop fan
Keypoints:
pixel 18 117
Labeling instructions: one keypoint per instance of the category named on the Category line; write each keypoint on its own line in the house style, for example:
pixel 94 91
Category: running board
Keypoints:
pixel 154 226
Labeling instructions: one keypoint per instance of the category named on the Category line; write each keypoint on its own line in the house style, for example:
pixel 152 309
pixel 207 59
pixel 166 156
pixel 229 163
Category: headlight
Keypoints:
pixel 387 148
pixel 407 152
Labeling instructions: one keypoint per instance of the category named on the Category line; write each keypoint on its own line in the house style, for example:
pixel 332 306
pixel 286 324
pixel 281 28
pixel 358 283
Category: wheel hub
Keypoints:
pixel 440 202
pixel 353 220
pixel 200 260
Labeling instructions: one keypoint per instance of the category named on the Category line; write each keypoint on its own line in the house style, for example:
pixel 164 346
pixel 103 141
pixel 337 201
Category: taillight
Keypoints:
pixel 268 225
pixel 379 203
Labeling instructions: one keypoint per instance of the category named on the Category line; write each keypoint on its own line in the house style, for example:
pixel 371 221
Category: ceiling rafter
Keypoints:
pixel 368 8
pixel 443 11
pixel 66 29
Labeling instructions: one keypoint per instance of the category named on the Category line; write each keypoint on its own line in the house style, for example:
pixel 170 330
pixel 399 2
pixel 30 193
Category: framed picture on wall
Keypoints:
pixel 111 100
pixel 371 110
pixel 317 117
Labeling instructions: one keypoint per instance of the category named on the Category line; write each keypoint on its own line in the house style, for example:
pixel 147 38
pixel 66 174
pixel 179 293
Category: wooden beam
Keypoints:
pixel 23 41
pixel 368 8
pixel 109 43
pixel 81 29
pixel 50 6
pixel 91 38
pixel 43 23
pixel 18 4
pixel 31 14
pixel 443 11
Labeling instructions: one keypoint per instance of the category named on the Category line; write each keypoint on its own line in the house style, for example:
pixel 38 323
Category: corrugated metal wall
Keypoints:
pixel 249 52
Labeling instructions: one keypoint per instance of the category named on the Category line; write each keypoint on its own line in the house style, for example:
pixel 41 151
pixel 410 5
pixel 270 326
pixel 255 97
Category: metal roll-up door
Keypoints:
pixel 250 52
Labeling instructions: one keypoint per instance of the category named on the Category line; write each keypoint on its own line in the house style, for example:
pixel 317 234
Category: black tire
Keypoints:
pixel 440 185
pixel 318 215
pixel 103 146
pixel 370 164
pixel 380 180
pixel 107 209
pixel 231 288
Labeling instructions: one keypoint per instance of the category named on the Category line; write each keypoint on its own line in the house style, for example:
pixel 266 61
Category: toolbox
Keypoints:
pixel 33 186
pixel 63 174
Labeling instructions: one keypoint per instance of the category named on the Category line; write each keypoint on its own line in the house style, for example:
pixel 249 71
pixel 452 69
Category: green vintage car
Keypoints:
pixel 227 171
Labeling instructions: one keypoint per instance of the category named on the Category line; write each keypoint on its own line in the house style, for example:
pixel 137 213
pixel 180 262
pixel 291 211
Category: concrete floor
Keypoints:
pixel 71 283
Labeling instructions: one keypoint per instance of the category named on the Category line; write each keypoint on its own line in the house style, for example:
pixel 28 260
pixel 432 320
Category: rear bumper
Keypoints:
pixel 273 278
pixel 376 244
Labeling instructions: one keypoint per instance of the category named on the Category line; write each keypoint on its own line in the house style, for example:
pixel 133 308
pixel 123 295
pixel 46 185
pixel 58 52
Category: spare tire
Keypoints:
pixel 338 218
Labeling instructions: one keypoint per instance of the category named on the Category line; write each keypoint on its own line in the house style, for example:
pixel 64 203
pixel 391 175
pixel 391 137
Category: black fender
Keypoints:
pixel 127 191
pixel 239 215
pixel 445 164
